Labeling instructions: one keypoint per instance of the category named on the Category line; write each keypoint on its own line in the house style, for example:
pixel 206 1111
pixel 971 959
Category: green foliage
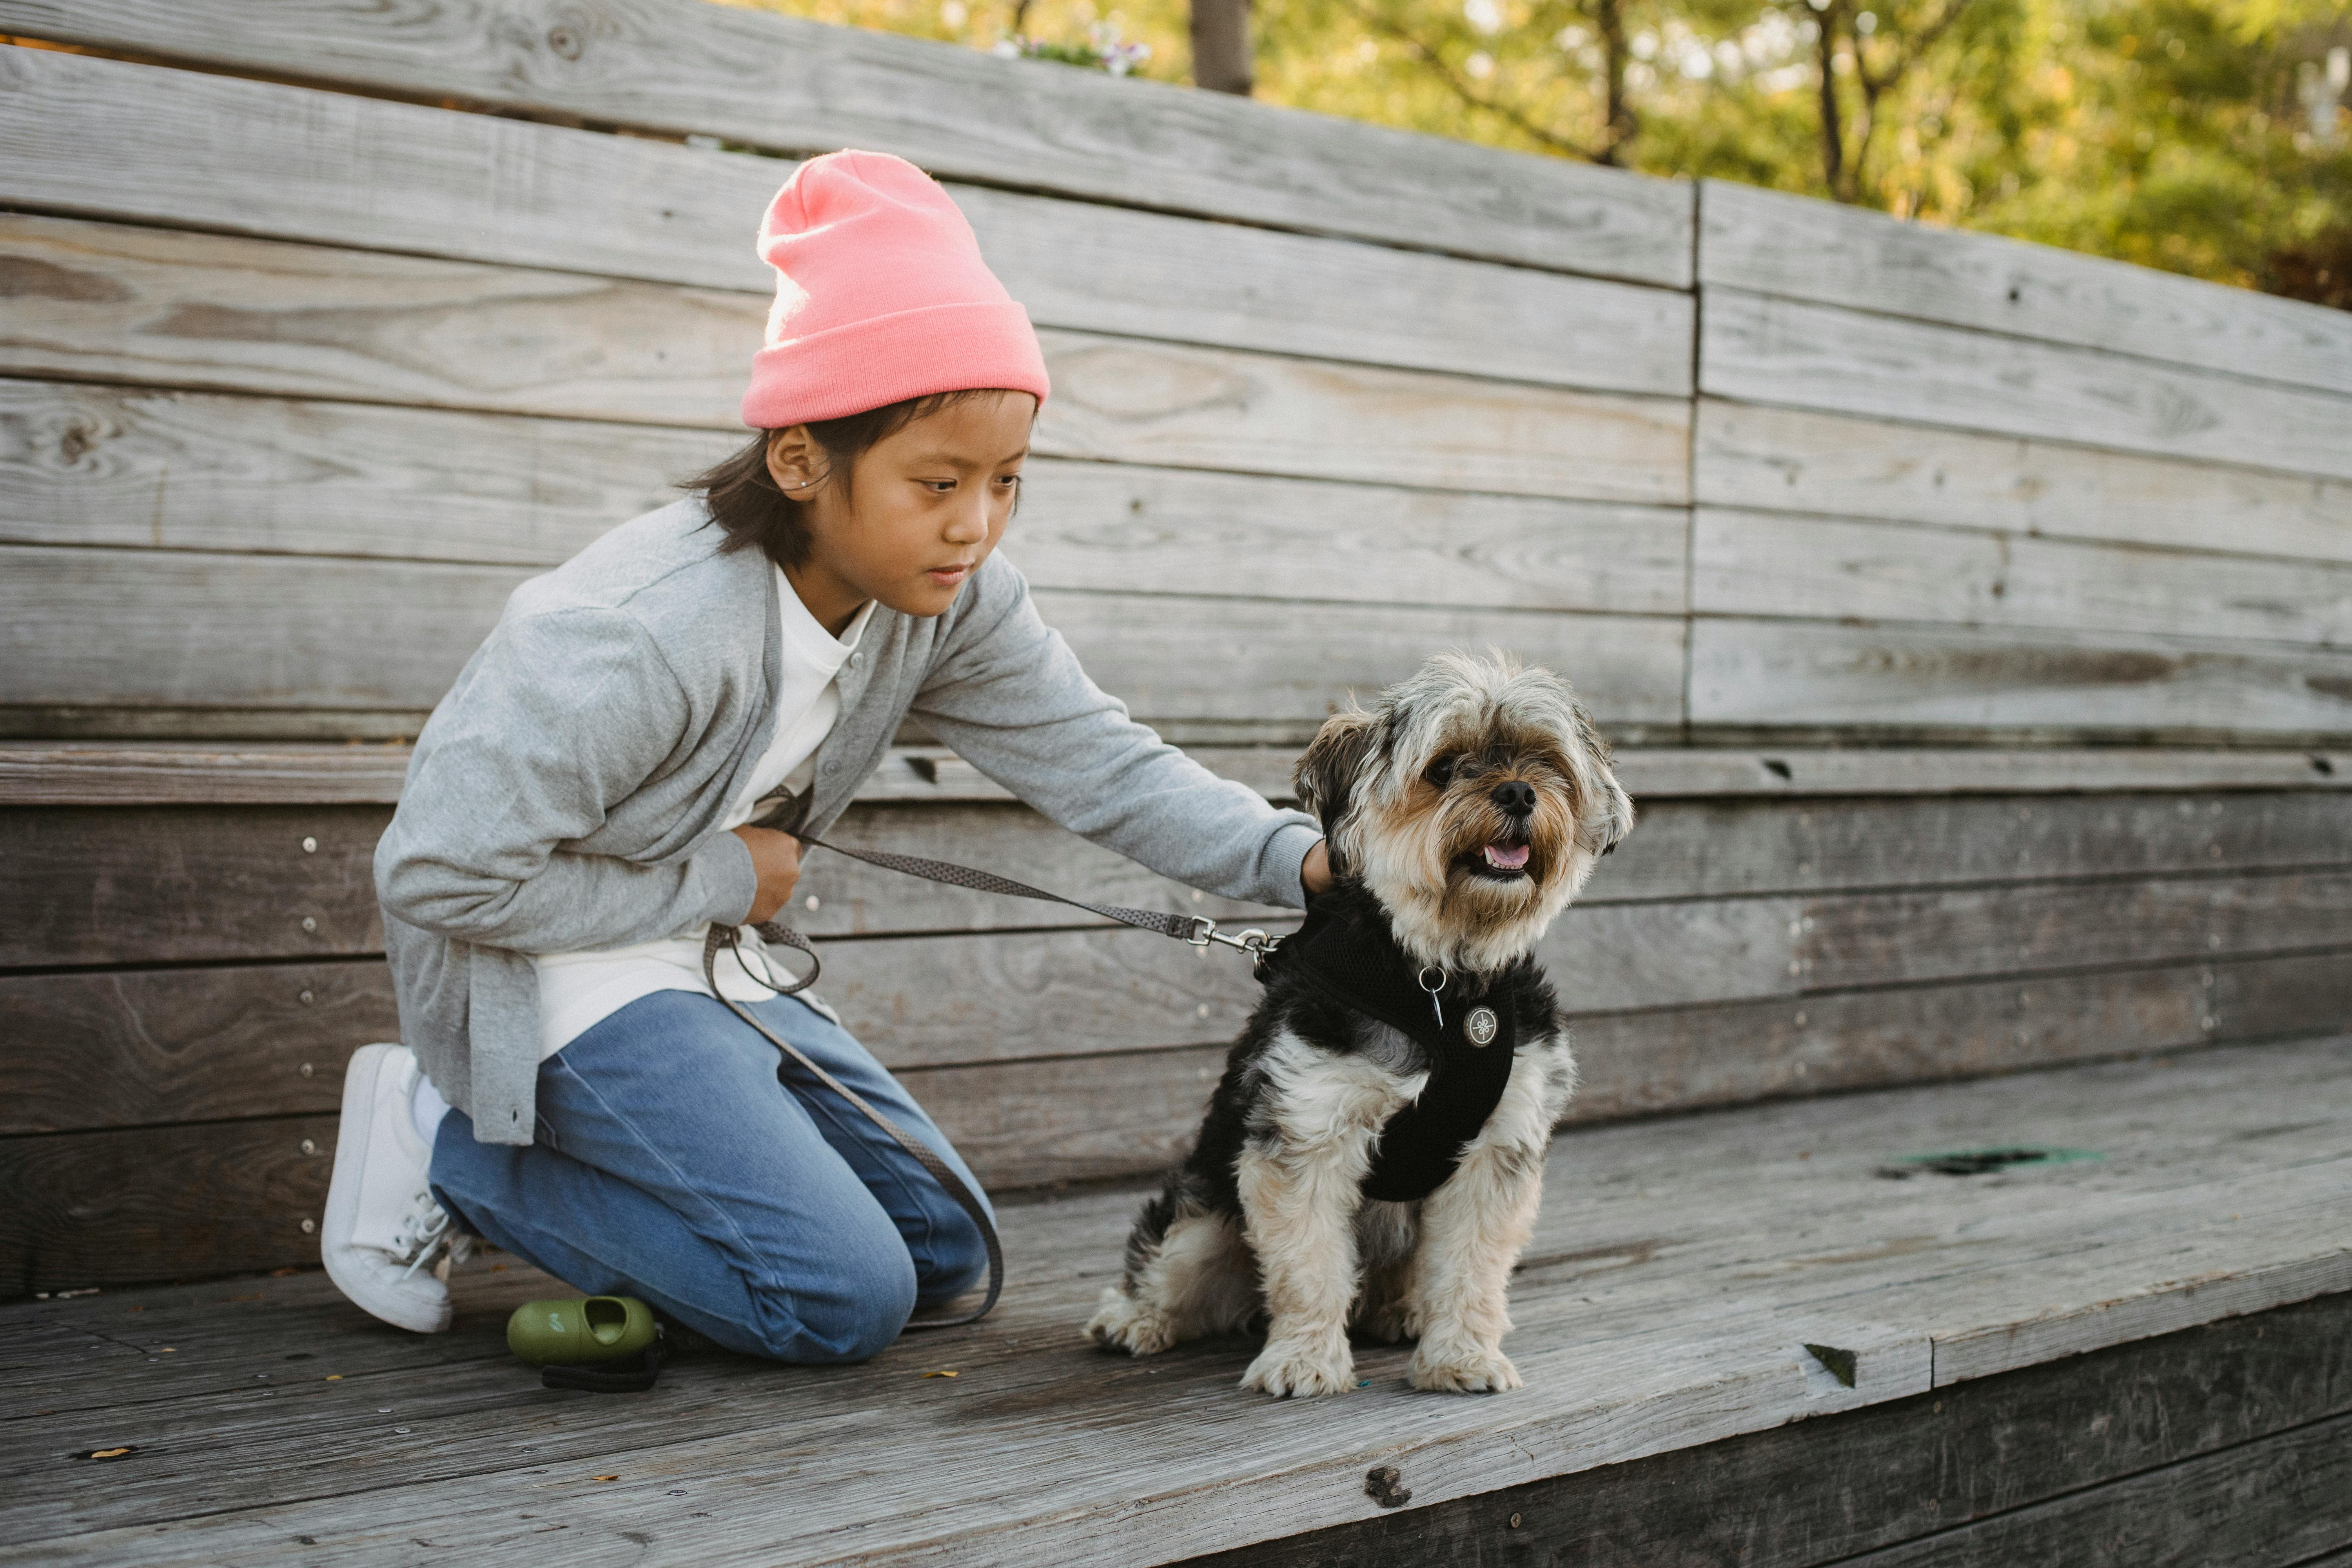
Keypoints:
pixel 2175 133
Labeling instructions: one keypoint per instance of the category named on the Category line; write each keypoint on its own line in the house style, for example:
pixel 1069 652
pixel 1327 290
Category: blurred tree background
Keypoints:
pixel 2208 137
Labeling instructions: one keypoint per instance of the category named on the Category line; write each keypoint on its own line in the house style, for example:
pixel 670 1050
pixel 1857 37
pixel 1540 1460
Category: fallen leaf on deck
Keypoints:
pixel 938 1374
pixel 335 1377
pixel 603 1477
pixel 124 1452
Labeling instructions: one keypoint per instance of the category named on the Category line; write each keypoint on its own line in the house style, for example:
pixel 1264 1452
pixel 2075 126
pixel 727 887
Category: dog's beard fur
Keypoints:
pixel 1266 1217
pixel 1407 795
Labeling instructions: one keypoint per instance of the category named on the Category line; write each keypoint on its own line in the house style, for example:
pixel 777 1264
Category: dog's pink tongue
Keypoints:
pixel 1506 857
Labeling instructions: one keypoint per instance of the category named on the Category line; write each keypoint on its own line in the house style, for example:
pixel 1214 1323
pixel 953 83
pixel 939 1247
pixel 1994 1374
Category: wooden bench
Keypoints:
pixel 2087 1360
pixel 1970 618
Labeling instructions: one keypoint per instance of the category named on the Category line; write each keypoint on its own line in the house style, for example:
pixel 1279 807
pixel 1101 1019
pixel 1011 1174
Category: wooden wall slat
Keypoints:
pixel 101 629
pixel 133 1047
pixel 133 468
pixel 1909 678
pixel 121 1048
pixel 136 469
pixel 1886 938
pixel 774 82
pixel 101 138
pixel 160 306
pixel 674 335
pixel 1105 526
pixel 230 883
pixel 2262 1505
pixel 1642 1063
pixel 109 629
pixel 922 1001
pixel 1758 349
pixel 1152 275
pixel 102 1208
pixel 1215 670
pixel 1118 400
pixel 1802 248
pixel 188 884
pixel 208 312
pixel 1776 564
pixel 195 772
pixel 1790 459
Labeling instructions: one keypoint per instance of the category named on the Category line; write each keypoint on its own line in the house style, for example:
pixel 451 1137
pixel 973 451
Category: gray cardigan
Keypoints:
pixel 567 792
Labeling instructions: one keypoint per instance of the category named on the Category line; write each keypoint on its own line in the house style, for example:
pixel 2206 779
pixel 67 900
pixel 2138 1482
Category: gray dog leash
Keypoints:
pixel 725 937
pixel 1197 930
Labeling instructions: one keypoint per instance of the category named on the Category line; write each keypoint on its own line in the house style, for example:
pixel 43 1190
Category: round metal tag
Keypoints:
pixel 1480 1025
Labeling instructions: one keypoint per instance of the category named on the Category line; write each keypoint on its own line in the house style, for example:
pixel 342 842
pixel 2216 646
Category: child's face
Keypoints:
pixel 924 506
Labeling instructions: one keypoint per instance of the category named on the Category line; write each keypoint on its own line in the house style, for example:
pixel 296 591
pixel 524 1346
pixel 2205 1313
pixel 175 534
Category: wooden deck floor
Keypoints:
pixel 1680 1267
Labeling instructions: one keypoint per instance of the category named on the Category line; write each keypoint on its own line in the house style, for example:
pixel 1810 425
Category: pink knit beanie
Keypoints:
pixel 881 295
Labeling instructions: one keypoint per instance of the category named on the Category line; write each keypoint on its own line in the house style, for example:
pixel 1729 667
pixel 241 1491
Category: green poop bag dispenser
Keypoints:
pixel 581 1332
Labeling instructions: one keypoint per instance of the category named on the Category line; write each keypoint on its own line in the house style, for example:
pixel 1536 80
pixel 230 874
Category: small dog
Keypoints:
pixel 1373 1156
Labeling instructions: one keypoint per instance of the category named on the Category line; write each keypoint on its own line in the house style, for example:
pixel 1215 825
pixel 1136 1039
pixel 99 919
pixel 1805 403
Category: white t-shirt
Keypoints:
pixel 577 990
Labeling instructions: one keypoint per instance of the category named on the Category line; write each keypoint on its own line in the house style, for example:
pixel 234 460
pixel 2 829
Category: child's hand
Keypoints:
pixel 1314 872
pixel 776 856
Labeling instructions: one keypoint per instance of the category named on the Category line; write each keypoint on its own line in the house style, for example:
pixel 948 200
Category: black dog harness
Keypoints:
pixel 1470 1034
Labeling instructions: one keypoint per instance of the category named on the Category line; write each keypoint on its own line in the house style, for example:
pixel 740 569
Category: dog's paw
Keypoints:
pixel 1462 1368
pixel 1390 1322
pixel 1123 1323
pixel 1293 1369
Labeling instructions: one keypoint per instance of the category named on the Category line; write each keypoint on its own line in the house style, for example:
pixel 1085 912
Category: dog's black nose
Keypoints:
pixel 1515 795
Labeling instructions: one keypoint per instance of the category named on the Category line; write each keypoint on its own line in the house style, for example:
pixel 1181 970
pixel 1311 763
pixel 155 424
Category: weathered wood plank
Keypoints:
pixel 1929 681
pixel 140 468
pixel 1133 402
pixel 1763 350
pixel 148 1046
pixel 166 307
pixel 1801 248
pixel 109 628
pixel 189 884
pixel 118 302
pixel 1152 275
pixel 99 137
pixel 1775 563
pixel 1170 531
pixel 131 774
pixel 151 1047
pixel 98 1208
pixel 1829 1489
pixel 775 82
pixel 113 628
pixel 1952 932
pixel 1705 883
pixel 1644 1063
pixel 2269 1504
pixel 133 469
pixel 1645 1364
pixel 212 313
pixel 1237 669
pixel 1791 459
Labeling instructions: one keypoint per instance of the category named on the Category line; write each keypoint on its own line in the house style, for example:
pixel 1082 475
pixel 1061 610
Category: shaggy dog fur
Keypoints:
pixel 1464 810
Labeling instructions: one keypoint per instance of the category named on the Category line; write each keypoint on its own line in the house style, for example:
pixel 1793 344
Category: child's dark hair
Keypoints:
pixel 755 515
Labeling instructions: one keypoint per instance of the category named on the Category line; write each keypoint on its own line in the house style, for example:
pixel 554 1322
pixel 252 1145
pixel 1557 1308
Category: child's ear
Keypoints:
pixel 1325 774
pixel 797 461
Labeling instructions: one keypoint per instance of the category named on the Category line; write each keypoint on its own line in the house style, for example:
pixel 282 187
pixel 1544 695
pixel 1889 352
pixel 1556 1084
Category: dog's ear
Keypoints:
pixel 1325 774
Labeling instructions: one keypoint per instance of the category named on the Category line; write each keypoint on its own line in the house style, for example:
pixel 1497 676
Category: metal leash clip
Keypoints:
pixel 1254 941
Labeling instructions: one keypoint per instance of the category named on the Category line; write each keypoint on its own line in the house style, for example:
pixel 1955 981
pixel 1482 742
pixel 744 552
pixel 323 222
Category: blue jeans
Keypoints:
pixel 681 1159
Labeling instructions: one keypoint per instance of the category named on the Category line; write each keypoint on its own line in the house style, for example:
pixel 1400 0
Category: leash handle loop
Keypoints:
pixel 726 939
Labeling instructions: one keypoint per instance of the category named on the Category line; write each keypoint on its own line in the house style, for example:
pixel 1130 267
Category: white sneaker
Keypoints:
pixel 386 1243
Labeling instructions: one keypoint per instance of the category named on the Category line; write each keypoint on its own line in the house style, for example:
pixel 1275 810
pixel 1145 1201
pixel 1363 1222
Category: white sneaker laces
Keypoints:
pixel 425 1232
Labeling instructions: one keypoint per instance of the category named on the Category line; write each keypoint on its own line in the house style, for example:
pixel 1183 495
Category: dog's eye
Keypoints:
pixel 1441 772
